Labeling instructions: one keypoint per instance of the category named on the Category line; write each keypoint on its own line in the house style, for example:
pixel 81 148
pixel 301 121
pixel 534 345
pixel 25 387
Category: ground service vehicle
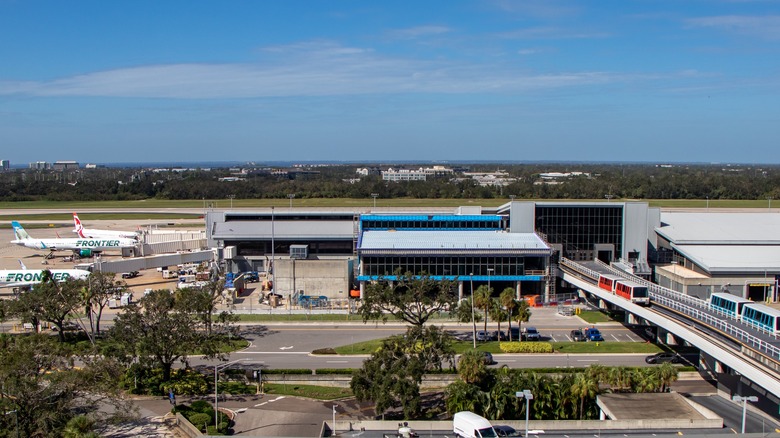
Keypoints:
pixel 727 303
pixel 593 334
pixel 663 357
pixel 467 424
pixel 762 317
pixel 632 291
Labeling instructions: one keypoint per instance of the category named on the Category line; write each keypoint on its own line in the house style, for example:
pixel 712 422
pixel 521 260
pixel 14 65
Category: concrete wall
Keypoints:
pixel 330 278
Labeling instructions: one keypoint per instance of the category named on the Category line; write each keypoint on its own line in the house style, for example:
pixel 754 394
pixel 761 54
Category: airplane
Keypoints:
pixel 24 278
pixel 84 247
pixel 101 234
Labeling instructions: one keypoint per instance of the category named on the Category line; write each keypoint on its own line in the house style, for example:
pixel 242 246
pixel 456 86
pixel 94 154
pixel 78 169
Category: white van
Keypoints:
pixel 470 425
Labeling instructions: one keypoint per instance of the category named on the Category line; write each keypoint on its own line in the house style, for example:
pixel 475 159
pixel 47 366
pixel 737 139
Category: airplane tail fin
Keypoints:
pixel 22 264
pixel 19 232
pixel 79 227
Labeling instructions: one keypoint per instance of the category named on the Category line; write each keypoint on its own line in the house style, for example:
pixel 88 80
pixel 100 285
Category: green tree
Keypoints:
pixel 201 301
pixel 391 376
pixel 667 373
pixel 471 367
pixel 99 288
pixel 523 313
pixel 157 332
pixel 461 396
pixel 483 301
pixel 620 378
pixel 410 298
pixel 508 302
pixel 584 387
pixel 50 301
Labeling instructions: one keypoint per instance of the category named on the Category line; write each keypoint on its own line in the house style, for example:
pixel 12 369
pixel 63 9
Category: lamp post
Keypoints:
pixel 770 203
pixel 473 321
pixel 231 200
pixel 291 196
pixel 334 420
pixel 216 399
pixel 374 195
pixel 708 202
pixel 744 401
pixel 528 396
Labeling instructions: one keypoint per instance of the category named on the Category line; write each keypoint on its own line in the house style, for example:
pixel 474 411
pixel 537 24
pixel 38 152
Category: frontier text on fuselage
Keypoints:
pixel 96 243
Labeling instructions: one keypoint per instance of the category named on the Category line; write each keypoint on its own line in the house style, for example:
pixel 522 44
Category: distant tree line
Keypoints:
pixel 630 181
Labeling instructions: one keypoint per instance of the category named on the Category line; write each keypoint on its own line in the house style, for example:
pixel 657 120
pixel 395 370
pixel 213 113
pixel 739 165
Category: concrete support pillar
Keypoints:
pixel 602 304
pixel 602 415
pixel 632 319
pixel 670 339
pixel 519 287
pixel 460 290
pixel 718 367
pixel 362 289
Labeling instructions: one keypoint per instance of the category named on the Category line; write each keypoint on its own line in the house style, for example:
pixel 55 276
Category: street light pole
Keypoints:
pixel 528 396
pixel 744 401
pixel 473 321
pixel 334 420
pixel 216 399
pixel 374 195
pixel 291 196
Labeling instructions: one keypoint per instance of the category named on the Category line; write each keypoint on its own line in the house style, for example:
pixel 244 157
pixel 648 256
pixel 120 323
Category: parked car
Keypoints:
pixel 593 334
pixel 663 357
pixel 506 431
pixel 488 358
pixel 578 336
pixel 485 336
pixel 531 334
pixel 514 332
pixel 131 274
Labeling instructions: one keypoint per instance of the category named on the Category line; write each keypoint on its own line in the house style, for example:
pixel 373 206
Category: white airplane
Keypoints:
pixel 100 234
pixel 23 278
pixel 83 247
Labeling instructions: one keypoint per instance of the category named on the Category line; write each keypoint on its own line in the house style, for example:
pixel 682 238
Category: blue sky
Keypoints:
pixel 499 80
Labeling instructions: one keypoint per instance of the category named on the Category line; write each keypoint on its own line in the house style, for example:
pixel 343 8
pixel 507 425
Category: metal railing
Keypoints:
pixel 687 305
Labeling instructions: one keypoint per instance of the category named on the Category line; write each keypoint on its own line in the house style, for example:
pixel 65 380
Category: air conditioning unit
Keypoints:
pixel 299 251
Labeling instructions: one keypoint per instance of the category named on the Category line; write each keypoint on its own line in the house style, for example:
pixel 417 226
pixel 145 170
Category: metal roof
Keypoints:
pixel 436 217
pixel 754 259
pixel 706 228
pixel 289 230
pixel 470 242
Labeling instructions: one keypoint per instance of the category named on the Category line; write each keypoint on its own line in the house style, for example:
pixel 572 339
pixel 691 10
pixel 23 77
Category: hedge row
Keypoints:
pixel 525 347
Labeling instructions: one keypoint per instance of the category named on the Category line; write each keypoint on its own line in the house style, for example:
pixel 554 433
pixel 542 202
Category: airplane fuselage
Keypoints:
pixel 25 277
pixel 96 245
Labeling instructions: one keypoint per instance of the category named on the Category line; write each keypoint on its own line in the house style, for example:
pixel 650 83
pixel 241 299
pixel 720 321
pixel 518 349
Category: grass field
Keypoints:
pixel 349 203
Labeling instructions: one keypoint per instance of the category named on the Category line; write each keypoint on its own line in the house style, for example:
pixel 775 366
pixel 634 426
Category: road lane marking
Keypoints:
pixel 270 352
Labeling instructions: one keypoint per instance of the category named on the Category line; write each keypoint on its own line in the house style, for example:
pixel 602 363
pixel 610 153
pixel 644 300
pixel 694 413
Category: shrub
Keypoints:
pixel 290 371
pixel 346 371
pixel 200 406
pixel 324 351
pixel 525 347
pixel 200 420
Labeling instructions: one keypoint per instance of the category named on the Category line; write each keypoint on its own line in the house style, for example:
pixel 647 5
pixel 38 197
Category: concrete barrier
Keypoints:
pixel 186 427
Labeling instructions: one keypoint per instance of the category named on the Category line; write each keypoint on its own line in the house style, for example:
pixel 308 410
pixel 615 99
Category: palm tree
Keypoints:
pixel 584 387
pixel 508 302
pixel 667 373
pixel 646 380
pixel 471 367
pixel 523 313
pixel 497 314
pixel 597 372
pixel 460 396
pixel 620 378
pixel 483 300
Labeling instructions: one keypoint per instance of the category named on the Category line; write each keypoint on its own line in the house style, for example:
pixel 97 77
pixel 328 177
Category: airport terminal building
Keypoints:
pixel 334 253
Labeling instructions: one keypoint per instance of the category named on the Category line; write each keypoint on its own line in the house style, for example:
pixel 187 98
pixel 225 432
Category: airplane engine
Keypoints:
pixel 85 253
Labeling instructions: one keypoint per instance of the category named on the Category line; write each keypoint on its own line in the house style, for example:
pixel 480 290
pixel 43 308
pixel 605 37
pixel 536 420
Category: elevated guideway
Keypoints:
pixel 758 369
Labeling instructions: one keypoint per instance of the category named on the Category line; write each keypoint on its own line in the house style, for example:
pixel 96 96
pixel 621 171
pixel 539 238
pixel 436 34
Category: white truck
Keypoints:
pixel 467 424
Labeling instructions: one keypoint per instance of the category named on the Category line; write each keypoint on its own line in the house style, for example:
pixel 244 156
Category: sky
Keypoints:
pixel 346 80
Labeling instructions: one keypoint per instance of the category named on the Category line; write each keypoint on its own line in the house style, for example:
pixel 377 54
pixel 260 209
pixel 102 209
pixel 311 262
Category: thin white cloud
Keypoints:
pixel 311 69
pixel 766 27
